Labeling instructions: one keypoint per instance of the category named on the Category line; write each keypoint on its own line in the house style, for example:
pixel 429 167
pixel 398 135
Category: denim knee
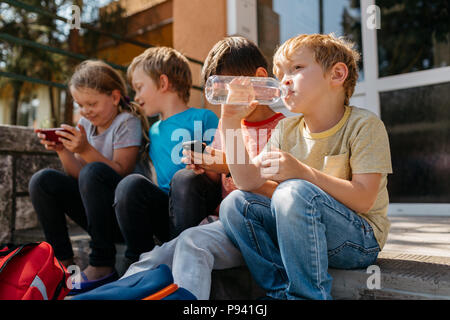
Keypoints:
pixel 186 183
pixel 184 176
pixel 128 186
pixel 293 193
pixel 38 180
pixel 229 207
pixel 191 239
pixel 91 172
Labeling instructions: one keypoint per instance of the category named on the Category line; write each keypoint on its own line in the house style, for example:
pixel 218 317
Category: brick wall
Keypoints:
pixel 21 155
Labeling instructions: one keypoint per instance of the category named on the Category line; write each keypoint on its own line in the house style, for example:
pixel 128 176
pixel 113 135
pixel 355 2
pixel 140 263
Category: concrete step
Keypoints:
pixel 401 275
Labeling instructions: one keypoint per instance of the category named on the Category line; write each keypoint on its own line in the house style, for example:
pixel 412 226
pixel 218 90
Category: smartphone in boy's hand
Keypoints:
pixel 194 145
pixel 50 134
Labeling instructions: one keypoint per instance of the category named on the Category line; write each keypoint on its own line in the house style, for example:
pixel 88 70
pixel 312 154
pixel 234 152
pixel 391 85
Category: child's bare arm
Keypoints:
pixel 123 162
pixel 246 175
pixel 358 194
pixel 71 164
pixel 267 189
pixel 75 141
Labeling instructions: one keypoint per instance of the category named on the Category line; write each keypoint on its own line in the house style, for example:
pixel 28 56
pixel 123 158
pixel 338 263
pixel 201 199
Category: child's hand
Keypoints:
pixel 75 141
pixel 49 145
pixel 280 166
pixel 239 89
pixel 187 159
pixel 237 112
pixel 211 160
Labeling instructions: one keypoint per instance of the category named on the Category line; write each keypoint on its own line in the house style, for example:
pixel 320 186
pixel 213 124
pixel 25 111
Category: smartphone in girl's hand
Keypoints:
pixel 50 134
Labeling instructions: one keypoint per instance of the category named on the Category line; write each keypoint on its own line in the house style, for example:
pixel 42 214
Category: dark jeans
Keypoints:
pixel 144 210
pixel 87 201
pixel 192 198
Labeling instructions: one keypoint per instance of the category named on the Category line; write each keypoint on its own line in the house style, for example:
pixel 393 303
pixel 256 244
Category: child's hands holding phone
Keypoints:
pixel 209 160
pixel 74 139
pixel 50 139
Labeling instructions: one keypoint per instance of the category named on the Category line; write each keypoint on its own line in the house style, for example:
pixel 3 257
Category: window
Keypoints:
pixel 414 36
pixel 341 17
pixel 418 124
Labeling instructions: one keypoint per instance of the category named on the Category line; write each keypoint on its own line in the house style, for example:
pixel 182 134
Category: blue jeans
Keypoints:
pixel 289 241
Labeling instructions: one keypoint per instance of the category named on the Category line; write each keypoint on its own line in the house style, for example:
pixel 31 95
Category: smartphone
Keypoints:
pixel 50 134
pixel 194 145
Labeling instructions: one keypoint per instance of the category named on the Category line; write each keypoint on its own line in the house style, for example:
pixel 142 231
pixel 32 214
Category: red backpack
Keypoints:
pixel 31 272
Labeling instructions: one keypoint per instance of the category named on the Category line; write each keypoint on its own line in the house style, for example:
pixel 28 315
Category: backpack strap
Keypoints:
pixel 9 251
pixel 61 283
pixel 161 294
pixel 7 248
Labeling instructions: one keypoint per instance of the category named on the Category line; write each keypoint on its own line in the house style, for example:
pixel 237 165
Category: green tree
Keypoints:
pixel 47 30
pixel 29 61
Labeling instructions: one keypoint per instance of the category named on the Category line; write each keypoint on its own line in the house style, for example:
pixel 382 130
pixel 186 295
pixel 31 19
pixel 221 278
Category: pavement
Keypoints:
pixel 419 235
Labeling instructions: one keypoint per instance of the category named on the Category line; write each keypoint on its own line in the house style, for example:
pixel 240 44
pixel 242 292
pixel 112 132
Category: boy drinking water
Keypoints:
pixel 331 163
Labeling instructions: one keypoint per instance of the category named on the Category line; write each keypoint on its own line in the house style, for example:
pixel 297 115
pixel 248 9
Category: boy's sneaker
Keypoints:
pixel 209 219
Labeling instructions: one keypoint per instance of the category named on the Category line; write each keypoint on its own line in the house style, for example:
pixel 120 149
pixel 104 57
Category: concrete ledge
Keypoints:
pixel 402 276
pixel 20 139
pixel 21 155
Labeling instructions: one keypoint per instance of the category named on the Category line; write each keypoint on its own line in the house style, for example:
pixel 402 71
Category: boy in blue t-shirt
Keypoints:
pixel 166 136
pixel 162 81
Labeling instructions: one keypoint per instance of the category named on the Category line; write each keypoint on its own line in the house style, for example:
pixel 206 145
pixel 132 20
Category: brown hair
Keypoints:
pixel 164 60
pixel 99 76
pixel 328 50
pixel 236 56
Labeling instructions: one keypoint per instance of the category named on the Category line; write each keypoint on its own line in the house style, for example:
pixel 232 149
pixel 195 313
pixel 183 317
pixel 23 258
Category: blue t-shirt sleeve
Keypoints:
pixel 210 123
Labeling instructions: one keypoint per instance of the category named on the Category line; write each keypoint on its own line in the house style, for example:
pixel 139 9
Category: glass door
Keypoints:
pixel 407 83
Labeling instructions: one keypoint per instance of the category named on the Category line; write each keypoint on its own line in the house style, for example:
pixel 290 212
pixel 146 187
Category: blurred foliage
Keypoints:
pixel 48 31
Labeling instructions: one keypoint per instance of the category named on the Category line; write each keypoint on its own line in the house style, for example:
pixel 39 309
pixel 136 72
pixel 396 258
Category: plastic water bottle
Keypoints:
pixel 245 89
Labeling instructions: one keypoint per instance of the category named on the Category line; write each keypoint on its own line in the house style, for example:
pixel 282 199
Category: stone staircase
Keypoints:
pixel 402 275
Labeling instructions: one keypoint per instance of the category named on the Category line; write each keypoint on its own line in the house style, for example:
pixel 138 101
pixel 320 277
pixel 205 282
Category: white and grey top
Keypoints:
pixel 125 131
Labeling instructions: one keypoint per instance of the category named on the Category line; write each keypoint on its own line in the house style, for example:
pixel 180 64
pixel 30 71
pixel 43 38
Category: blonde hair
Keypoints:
pixel 328 50
pixel 164 60
pixel 99 76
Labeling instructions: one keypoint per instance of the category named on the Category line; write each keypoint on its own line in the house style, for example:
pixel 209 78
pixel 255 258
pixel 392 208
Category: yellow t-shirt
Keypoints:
pixel 357 144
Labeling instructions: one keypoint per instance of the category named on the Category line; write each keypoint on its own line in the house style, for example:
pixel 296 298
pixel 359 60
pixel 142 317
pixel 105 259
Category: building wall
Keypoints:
pixel 192 27
pixel 152 25
pixel 197 26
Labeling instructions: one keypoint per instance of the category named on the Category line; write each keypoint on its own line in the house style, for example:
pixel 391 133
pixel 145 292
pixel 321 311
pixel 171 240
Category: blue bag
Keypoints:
pixel 154 284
